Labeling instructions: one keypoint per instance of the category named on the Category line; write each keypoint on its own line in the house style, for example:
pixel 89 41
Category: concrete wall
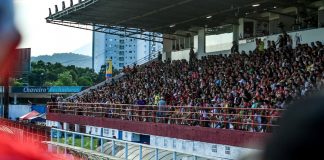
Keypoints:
pixel 55 124
pixel 223 52
pixel 306 36
pixel 93 130
pixel 219 42
pixel 129 136
pixel 167 48
pixel 199 148
pixel 110 133
pixel 179 55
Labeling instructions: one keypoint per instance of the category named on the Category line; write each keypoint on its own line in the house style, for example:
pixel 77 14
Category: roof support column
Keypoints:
pixel 321 17
pixel 93 49
pixel 167 48
pixel 201 43
pixel 236 33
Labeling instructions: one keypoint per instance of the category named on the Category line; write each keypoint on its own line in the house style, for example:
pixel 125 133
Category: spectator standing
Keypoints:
pixel 235 47
pixel 161 110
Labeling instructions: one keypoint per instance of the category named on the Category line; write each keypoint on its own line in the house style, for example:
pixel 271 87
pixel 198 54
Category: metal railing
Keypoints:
pixel 25 132
pixel 248 119
pixel 118 149
pixel 148 58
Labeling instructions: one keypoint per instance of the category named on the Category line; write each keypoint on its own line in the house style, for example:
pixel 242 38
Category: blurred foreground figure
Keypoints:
pixel 10 149
pixel 9 38
pixel 301 132
pixel 300 135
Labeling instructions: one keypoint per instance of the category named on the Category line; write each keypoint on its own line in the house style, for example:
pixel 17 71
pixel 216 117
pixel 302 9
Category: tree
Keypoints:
pixel 65 79
pixel 37 77
pixel 102 74
pixel 16 82
pixel 85 81
pixel 47 83
pixel 48 74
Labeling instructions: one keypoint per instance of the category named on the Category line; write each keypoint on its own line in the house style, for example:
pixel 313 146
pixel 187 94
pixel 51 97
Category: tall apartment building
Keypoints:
pixel 123 50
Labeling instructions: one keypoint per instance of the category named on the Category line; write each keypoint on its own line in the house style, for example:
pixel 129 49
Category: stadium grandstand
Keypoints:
pixel 197 101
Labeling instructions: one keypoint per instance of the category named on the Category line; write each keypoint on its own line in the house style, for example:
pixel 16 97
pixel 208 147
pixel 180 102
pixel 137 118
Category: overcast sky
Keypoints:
pixel 44 38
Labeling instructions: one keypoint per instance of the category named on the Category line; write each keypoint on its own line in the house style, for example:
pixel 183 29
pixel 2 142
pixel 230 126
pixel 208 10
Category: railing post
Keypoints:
pixel 82 141
pixel 57 149
pixel 73 139
pixel 51 135
pixel 101 145
pixel 91 143
pixel 140 152
pixel 195 158
pixel 174 155
pixel 58 134
pixel 126 151
pixel 65 137
pixel 156 154
pixel 113 148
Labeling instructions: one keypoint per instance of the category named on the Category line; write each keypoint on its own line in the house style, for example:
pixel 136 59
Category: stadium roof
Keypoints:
pixel 164 16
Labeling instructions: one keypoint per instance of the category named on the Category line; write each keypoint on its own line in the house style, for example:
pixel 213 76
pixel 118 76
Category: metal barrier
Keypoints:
pixel 24 132
pixel 110 148
pixel 249 119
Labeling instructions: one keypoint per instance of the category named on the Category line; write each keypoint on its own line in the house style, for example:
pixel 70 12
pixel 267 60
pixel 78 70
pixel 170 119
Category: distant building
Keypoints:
pixel 123 50
pixel 23 60
pixel 23 63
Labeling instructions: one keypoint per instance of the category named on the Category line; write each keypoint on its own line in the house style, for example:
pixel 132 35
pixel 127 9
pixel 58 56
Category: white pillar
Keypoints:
pixel 201 43
pixel 236 32
pixel 66 126
pixel 241 28
pixel 15 99
pixel 77 128
pixel 167 48
pixel 321 17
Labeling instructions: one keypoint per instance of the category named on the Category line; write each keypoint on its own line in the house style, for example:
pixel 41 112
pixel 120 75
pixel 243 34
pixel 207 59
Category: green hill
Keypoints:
pixel 66 59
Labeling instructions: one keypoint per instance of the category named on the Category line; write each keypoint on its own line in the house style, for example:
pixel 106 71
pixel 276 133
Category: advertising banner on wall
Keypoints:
pixel 53 89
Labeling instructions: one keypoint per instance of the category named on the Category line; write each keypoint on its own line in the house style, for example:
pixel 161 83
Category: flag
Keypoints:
pixel 109 69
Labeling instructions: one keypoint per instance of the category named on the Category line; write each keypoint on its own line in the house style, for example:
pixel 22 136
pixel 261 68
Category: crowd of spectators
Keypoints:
pixel 266 78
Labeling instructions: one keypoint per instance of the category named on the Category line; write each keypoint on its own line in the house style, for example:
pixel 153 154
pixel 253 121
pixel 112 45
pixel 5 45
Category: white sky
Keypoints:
pixel 44 38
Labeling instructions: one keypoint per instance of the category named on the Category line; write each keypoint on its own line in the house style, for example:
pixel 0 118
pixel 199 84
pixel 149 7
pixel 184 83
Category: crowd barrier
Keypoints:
pixel 249 119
